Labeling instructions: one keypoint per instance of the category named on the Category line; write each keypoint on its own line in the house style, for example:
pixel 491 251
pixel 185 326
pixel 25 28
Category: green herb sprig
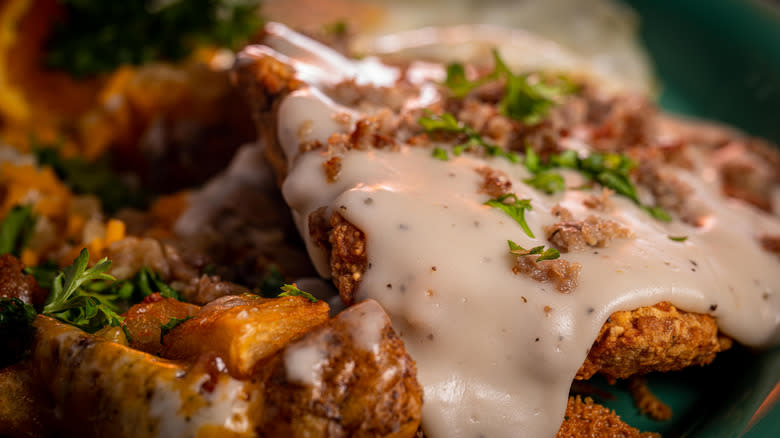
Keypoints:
pixel 526 99
pixel 515 208
pixel 544 254
pixel 16 330
pixel 449 124
pixel 291 290
pixel 71 301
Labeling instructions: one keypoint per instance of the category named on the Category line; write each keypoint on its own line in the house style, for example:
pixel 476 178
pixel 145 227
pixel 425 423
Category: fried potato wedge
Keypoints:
pixel 126 393
pixel 143 321
pixel 351 377
pixel 244 330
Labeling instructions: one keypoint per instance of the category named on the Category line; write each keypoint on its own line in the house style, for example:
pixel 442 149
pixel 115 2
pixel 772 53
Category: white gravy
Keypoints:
pixel 492 361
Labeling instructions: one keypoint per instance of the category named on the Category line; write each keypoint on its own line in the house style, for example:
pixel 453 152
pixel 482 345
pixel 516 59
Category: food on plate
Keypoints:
pixel 489 233
pixel 522 229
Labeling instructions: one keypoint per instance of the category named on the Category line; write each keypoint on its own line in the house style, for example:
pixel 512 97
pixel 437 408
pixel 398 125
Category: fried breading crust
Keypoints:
pixel 351 392
pixel 586 419
pixel 657 338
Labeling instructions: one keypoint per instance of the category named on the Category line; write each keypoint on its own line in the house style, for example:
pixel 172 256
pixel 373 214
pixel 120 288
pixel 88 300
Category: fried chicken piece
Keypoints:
pixel 349 377
pixel 656 338
pixel 586 419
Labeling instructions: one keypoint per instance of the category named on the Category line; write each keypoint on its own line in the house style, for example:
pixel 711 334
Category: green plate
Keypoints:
pixel 719 60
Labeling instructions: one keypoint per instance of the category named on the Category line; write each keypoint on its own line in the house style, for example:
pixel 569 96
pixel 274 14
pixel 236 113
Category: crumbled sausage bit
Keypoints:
pixel 570 235
pixel 601 202
pixel 562 274
pixel 332 168
pixel 495 182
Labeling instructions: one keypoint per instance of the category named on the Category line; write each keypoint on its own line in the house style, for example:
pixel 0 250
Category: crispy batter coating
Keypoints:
pixel 657 338
pixel 586 419
pixel 647 402
pixel 330 382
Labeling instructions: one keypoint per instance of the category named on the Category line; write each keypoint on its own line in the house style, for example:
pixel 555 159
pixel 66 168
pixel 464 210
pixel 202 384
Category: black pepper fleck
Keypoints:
pixel 476 224
pixel 560 338
pixel 370 265
pixel 433 268
pixel 403 288
pixel 536 340
pixel 713 307
pixel 525 300
pixel 403 227
pixel 389 285
pixel 693 269
pixel 596 252
pixel 590 310
pixel 368 201
pixel 765 296
pixel 343 207
pixel 430 336
pixel 693 262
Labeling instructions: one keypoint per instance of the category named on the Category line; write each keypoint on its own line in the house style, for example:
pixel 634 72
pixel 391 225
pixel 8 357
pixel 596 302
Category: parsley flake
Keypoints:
pixel 291 290
pixel 170 325
pixel 447 123
pixel 440 154
pixel 515 208
pixel 678 238
pixel 544 254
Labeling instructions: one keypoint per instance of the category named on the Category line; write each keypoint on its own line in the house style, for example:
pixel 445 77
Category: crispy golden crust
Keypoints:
pixel 586 419
pixel 657 338
pixel 356 392
pixel 16 284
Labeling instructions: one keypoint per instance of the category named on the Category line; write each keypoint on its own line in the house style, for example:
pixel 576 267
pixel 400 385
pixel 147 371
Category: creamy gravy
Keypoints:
pixel 492 359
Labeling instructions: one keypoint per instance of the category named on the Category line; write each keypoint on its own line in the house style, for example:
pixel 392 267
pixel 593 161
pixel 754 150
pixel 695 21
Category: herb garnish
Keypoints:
pixel 99 36
pixel 515 209
pixel 678 238
pixel 440 154
pixel 608 169
pixel 71 300
pixel 291 290
pixel 170 325
pixel 526 98
pixel 16 229
pixel 544 254
pixel 449 124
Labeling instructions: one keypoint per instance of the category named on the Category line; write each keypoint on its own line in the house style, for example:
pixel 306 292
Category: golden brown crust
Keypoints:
pixel 357 393
pixel 647 402
pixel 348 260
pixel 586 419
pixel 656 338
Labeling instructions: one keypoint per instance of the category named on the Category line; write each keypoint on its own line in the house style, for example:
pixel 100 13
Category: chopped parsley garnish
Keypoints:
pixel 449 124
pixel 678 238
pixel 440 154
pixel 515 208
pixel 44 273
pixel 143 284
pixel 170 325
pixel 548 182
pixel 98 36
pixel 337 28
pixel 72 301
pixel 96 178
pixel 16 330
pixel 544 254
pixel 526 98
pixel 16 229
pixel 291 290
pixel 608 169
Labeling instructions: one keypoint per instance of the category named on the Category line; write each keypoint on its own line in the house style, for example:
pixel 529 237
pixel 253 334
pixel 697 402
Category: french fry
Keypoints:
pixel 244 330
